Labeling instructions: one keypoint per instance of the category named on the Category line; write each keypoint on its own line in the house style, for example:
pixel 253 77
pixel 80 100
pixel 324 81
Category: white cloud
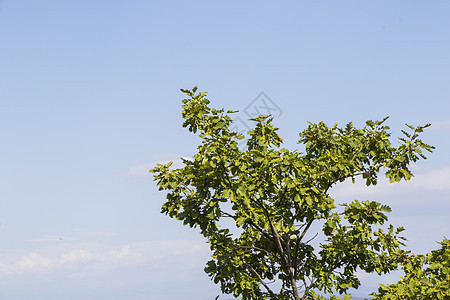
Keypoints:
pixel 143 170
pixel 434 180
pixel 99 233
pixel 160 270
pixel 442 126
pixel 89 257
pixel 51 238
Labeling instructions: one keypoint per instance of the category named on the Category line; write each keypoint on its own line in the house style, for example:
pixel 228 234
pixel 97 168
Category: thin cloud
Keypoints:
pixel 441 126
pixel 51 238
pixel 143 170
pixel 434 180
pixel 85 256
pixel 99 233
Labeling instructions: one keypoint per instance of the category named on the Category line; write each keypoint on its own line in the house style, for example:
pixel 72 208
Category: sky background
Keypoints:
pixel 90 100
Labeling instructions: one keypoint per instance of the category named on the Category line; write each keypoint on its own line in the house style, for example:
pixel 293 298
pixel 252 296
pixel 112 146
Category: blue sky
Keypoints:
pixel 90 100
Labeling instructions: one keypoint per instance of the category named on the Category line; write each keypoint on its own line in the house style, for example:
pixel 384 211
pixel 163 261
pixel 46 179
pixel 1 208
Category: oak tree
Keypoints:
pixel 273 196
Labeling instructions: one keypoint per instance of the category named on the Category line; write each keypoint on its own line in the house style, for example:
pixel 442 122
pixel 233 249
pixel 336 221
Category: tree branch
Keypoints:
pixel 259 249
pixel 306 229
pixel 284 259
pixel 263 283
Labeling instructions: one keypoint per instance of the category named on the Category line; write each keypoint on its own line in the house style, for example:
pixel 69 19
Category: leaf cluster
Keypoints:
pixel 273 196
pixel 427 277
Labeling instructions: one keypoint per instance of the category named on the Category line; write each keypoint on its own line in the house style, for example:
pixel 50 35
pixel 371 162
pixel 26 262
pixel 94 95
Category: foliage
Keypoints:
pixel 426 277
pixel 273 196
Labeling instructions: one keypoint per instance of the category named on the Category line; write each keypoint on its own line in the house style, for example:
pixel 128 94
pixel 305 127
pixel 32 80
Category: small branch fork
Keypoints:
pixel 272 294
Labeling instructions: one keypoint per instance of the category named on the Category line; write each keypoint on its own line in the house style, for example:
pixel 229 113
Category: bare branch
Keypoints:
pixel 263 283
pixel 259 249
pixel 306 229
pixel 312 238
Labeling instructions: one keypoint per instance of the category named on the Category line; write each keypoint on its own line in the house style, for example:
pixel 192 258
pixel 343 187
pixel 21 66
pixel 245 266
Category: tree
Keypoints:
pixel 273 196
pixel 426 277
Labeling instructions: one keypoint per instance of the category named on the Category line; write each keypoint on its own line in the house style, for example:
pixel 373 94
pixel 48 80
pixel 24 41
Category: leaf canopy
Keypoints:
pixel 273 196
